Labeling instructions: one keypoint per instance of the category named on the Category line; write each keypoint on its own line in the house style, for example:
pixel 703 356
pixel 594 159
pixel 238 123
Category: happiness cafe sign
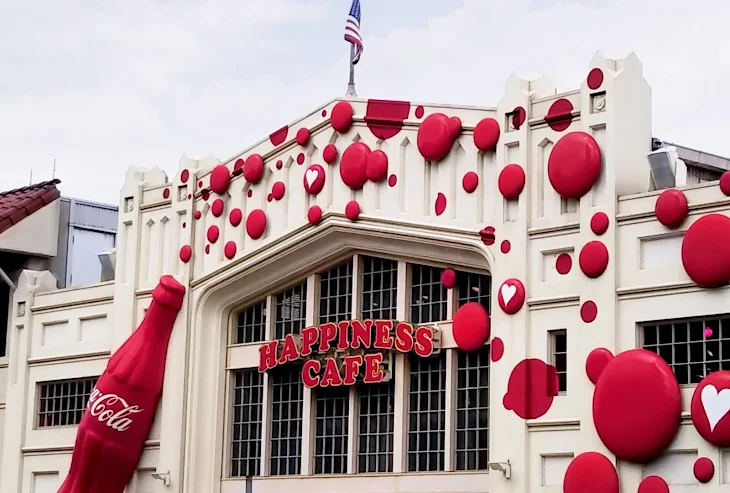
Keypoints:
pixel 340 354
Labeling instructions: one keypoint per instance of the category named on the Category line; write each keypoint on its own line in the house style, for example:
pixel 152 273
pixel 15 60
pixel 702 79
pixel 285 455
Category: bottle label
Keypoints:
pixel 112 410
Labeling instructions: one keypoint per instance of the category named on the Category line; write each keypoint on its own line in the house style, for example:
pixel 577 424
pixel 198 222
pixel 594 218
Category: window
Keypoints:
pixel 247 405
pixel 251 324
pixel 428 296
pixel 472 410
pixel 559 357
pixel 693 348
pixel 330 431
pixel 286 421
pixel 291 311
pixel 474 287
pixel 379 288
pixel 62 403
pixel 427 413
pixel 335 294
pixel 375 448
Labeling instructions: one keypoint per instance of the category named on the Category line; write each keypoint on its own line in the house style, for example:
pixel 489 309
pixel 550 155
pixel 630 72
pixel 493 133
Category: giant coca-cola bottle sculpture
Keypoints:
pixel 121 408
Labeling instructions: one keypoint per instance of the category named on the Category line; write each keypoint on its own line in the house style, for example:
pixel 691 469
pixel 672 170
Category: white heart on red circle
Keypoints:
pixel 716 404
pixel 508 292
pixel 311 176
pixel 314 178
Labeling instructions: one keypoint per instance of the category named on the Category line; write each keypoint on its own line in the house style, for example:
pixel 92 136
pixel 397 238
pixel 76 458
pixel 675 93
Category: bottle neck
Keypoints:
pixel 158 321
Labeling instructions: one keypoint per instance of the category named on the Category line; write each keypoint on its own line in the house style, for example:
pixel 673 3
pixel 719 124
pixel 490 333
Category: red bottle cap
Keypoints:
pixel 169 292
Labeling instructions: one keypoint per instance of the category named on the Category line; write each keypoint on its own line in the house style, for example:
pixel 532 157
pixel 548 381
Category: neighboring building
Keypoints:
pixel 282 248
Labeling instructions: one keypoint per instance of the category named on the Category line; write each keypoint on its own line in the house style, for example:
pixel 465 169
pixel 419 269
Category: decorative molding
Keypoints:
pixel 67 449
pixel 553 302
pixel 670 288
pixel 537 425
pixel 554 230
pixel 68 358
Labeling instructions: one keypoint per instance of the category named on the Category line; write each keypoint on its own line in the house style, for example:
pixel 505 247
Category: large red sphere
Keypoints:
pixel 574 165
pixel 256 224
pixel 471 326
pixel 705 251
pixel 341 117
pixel 593 259
pixel 486 134
pixel 220 178
pixel 671 208
pixel 710 408
pixel 354 165
pixel 436 135
pixel 511 181
pixel 591 472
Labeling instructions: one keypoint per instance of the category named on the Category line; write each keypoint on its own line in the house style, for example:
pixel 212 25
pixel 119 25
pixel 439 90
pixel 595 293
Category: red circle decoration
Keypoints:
pixel 588 312
pixel 278 190
pixel 725 183
pixel 591 471
pixel 531 388
pixel 563 264
pixel 593 259
pixel 436 136
pixel 448 278
pixel 184 225
pixel 377 166
pixel 511 296
pixel 303 136
pixel 213 234
pixel 207 249
pixel 574 165
pixel 324 113
pixel 419 111
pixel 314 179
pixel 186 253
pixel 392 180
pixel 710 408
pixel 256 224
pixel 559 116
pixel 279 164
pixel 653 484
pixel 235 217
pixel 487 235
pixel 353 165
pixel 269 198
pixel 705 253
pixel 637 406
pixel 496 349
pixel 200 184
pixel 300 158
pixel 486 134
pixel 704 469
pixel 341 117
pixel 519 115
pixel 217 208
pixel 253 169
pixel 671 208
pixel 329 154
pixel 599 223
pixel 440 205
pixel 238 167
pixel 230 249
pixel 314 215
pixel 352 210
pixel 198 214
pixel 184 176
pixel 166 193
pixel 205 195
pixel 505 246
pixel 470 182
pixel 249 193
pixel 511 181
pixel 595 79
pixel 220 179
pixel 596 362
pixel 471 326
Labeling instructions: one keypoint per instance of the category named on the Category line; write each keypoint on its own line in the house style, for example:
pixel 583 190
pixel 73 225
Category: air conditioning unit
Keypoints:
pixel 667 170
pixel 108 264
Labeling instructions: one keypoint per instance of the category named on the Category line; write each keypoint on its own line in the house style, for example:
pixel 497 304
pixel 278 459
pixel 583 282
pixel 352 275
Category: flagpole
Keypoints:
pixel 351 85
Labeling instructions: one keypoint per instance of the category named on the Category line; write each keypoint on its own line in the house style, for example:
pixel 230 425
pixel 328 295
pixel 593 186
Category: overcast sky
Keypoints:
pixel 103 85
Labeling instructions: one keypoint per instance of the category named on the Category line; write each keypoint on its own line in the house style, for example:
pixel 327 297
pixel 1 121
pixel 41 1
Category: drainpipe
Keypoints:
pixel 7 280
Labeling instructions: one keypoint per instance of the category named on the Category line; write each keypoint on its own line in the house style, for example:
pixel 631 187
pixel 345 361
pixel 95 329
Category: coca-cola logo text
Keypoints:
pixel 112 410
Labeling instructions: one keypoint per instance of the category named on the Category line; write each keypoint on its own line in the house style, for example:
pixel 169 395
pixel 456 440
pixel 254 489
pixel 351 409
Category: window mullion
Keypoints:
pixel 308 397
pixel 449 454
pixel 270 317
pixel 266 422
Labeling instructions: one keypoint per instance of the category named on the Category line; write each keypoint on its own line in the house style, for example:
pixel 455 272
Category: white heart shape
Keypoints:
pixel 508 292
pixel 310 176
pixel 716 404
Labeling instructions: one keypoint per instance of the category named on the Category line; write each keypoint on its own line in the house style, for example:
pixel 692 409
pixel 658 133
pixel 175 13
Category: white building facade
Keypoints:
pixel 309 227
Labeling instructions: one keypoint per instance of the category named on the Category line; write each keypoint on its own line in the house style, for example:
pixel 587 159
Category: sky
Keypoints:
pixel 101 86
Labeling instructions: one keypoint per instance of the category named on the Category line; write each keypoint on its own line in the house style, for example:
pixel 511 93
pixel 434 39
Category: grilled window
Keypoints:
pixel 375 447
pixel 379 288
pixel 62 403
pixel 335 294
pixel 330 431
pixel 428 295
pixel 286 421
pixel 291 311
pixel 693 348
pixel 559 357
pixel 248 393
pixel 427 413
pixel 474 287
pixel 251 325
pixel 472 410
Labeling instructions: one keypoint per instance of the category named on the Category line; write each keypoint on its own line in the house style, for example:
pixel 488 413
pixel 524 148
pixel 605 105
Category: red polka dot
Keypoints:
pixel 392 180
pixel 496 349
pixel 269 198
pixel 377 166
pixel 278 190
pixel 563 264
pixel 440 205
pixel 314 215
pixel 593 259
pixel 531 387
pixel 559 115
pixel 220 179
pixel 230 250
pixel 385 118
pixel 505 246
pixel 217 207
pixel 352 210
pixel 511 181
pixel 486 134
pixel 710 408
pixel 249 193
pixel 671 208
pixel 653 484
pixel 190 196
pixel 213 234
pixel 235 217
pixel 704 469
pixel 470 182
pixel 725 183
pixel 637 406
pixel 205 195
pixel 300 158
pixel 186 253
pixel 595 78
pixel 238 167
pixel 166 193
pixel 329 154
pixel 279 164
pixel 184 176
pixel 207 249
pixel 253 169
pixel 342 117
pixel 419 112
pixel 448 278
pixel 278 137
pixel 184 225
pixel 487 235
pixel 588 312
pixel 596 362
pixel 591 472
pixel 324 113
pixel 574 165
pixel 511 296
pixel 256 224
pixel 599 223
pixel 314 179
pixel 471 326
pixel 200 184
pixel 303 136
pixel 198 214
pixel 436 136
pixel 705 253
pixel 519 115
pixel 353 165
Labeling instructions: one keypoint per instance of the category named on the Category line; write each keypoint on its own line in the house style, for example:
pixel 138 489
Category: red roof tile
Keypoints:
pixel 16 205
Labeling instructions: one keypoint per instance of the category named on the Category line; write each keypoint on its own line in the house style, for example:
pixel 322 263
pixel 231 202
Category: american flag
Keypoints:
pixel 352 31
